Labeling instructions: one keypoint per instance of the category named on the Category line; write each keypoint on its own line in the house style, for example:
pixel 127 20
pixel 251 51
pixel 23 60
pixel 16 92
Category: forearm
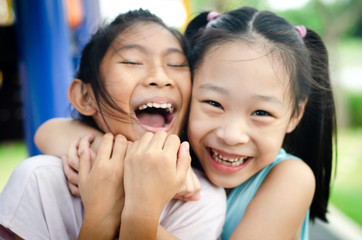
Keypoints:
pixel 163 234
pixel 98 229
pixel 138 226
pixel 54 136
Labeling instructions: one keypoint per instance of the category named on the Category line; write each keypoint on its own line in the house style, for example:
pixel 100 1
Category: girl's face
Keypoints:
pixel 146 73
pixel 240 112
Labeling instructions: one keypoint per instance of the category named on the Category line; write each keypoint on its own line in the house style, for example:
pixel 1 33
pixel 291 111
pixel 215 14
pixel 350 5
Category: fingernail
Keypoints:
pixel 187 146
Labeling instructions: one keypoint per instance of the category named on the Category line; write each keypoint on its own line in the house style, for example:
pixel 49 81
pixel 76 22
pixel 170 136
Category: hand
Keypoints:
pixel 155 169
pixel 190 190
pixel 101 186
pixel 71 162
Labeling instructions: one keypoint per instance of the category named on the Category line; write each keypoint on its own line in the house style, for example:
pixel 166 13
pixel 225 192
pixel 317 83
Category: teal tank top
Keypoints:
pixel 240 197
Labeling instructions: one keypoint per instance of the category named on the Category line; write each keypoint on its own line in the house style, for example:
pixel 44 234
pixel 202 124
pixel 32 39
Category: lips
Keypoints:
pixel 156 115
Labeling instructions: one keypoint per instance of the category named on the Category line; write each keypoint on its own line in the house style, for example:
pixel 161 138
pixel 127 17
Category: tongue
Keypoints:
pixel 152 120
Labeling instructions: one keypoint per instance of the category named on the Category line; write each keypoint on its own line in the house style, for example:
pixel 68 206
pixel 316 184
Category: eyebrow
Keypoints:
pixel 131 46
pixel 259 97
pixel 266 98
pixel 208 86
pixel 144 50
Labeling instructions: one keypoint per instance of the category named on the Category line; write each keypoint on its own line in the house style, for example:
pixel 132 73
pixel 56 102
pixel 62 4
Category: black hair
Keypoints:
pixel 95 50
pixel 306 60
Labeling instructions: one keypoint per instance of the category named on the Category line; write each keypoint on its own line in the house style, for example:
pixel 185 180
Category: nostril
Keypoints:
pixel 158 84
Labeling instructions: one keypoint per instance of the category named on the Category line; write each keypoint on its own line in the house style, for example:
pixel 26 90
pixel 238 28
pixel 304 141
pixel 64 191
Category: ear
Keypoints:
pixel 82 98
pixel 294 121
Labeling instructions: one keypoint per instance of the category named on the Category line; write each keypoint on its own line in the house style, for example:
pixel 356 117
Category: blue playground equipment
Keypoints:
pixel 49 51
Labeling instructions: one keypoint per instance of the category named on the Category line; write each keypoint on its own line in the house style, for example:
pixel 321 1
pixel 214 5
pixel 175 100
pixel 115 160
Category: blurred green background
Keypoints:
pixel 340 25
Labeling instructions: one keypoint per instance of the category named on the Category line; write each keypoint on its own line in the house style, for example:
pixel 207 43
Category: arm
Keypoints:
pixel 60 137
pixel 54 136
pixel 280 205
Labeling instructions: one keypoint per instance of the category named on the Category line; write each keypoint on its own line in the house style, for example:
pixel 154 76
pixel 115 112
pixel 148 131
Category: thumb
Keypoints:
pixel 84 164
pixel 183 160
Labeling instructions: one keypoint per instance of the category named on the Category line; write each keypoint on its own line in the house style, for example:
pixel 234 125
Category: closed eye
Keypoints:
pixel 214 104
pixel 130 63
pixel 177 65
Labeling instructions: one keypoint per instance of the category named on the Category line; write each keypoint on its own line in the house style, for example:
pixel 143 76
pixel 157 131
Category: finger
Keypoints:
pixel 197 184
pixel 144 142
pixel 73 155
pixel 105 149
pixel 93 156
pixel 69 172
pixel 158 140
pixel 74 190
pixel 119 148
pixel 194 197
pixel 85 142
pixel 183 160
pixel 172 145
pixel 189 191
pixel 73 177
pixel 84 165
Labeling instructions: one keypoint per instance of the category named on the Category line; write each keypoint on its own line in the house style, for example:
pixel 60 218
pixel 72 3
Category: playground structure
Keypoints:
pixel 49 38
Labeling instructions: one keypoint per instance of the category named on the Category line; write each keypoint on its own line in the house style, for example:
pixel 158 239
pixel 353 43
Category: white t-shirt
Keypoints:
pixel 36 204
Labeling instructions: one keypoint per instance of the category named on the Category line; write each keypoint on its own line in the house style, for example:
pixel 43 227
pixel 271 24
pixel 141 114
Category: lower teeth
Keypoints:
pixel 227 162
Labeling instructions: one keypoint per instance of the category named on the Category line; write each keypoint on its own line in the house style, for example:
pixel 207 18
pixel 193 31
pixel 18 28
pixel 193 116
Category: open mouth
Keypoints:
pixel 156 115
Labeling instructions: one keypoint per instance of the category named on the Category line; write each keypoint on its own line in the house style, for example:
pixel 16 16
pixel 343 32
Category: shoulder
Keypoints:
pixel 292 172
pixel 31 173
pixel 39 161
pixel 292 184
pixel 33 166
pixel 280 205
pixel 37 192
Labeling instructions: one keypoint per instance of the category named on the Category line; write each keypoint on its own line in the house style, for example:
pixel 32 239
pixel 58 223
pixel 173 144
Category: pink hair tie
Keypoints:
pixel 212 15
pixel 302 30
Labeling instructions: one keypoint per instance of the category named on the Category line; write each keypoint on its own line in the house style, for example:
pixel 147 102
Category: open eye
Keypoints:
pixel 214 104
pixel 261 113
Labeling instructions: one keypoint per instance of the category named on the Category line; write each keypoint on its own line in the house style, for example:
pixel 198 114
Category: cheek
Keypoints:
pixel 185 88
pixel 198 126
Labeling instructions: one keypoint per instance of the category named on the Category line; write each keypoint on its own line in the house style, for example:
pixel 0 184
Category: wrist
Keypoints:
pixel 136 225
pixel 98 228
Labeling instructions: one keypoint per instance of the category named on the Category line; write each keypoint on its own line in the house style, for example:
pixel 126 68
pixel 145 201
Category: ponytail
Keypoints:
pixel 313 139
pixel 199 22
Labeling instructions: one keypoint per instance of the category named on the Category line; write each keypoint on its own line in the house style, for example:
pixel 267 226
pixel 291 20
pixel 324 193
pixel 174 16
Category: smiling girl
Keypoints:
pixel 133 79
pixel 261 87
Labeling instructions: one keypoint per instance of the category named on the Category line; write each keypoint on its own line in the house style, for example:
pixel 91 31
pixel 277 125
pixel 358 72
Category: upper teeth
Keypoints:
pixel 229 161
pixel 168 106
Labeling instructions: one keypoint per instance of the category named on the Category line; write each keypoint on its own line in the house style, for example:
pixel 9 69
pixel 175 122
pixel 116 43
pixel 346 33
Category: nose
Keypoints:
pixel 159 77
pixel 233 132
